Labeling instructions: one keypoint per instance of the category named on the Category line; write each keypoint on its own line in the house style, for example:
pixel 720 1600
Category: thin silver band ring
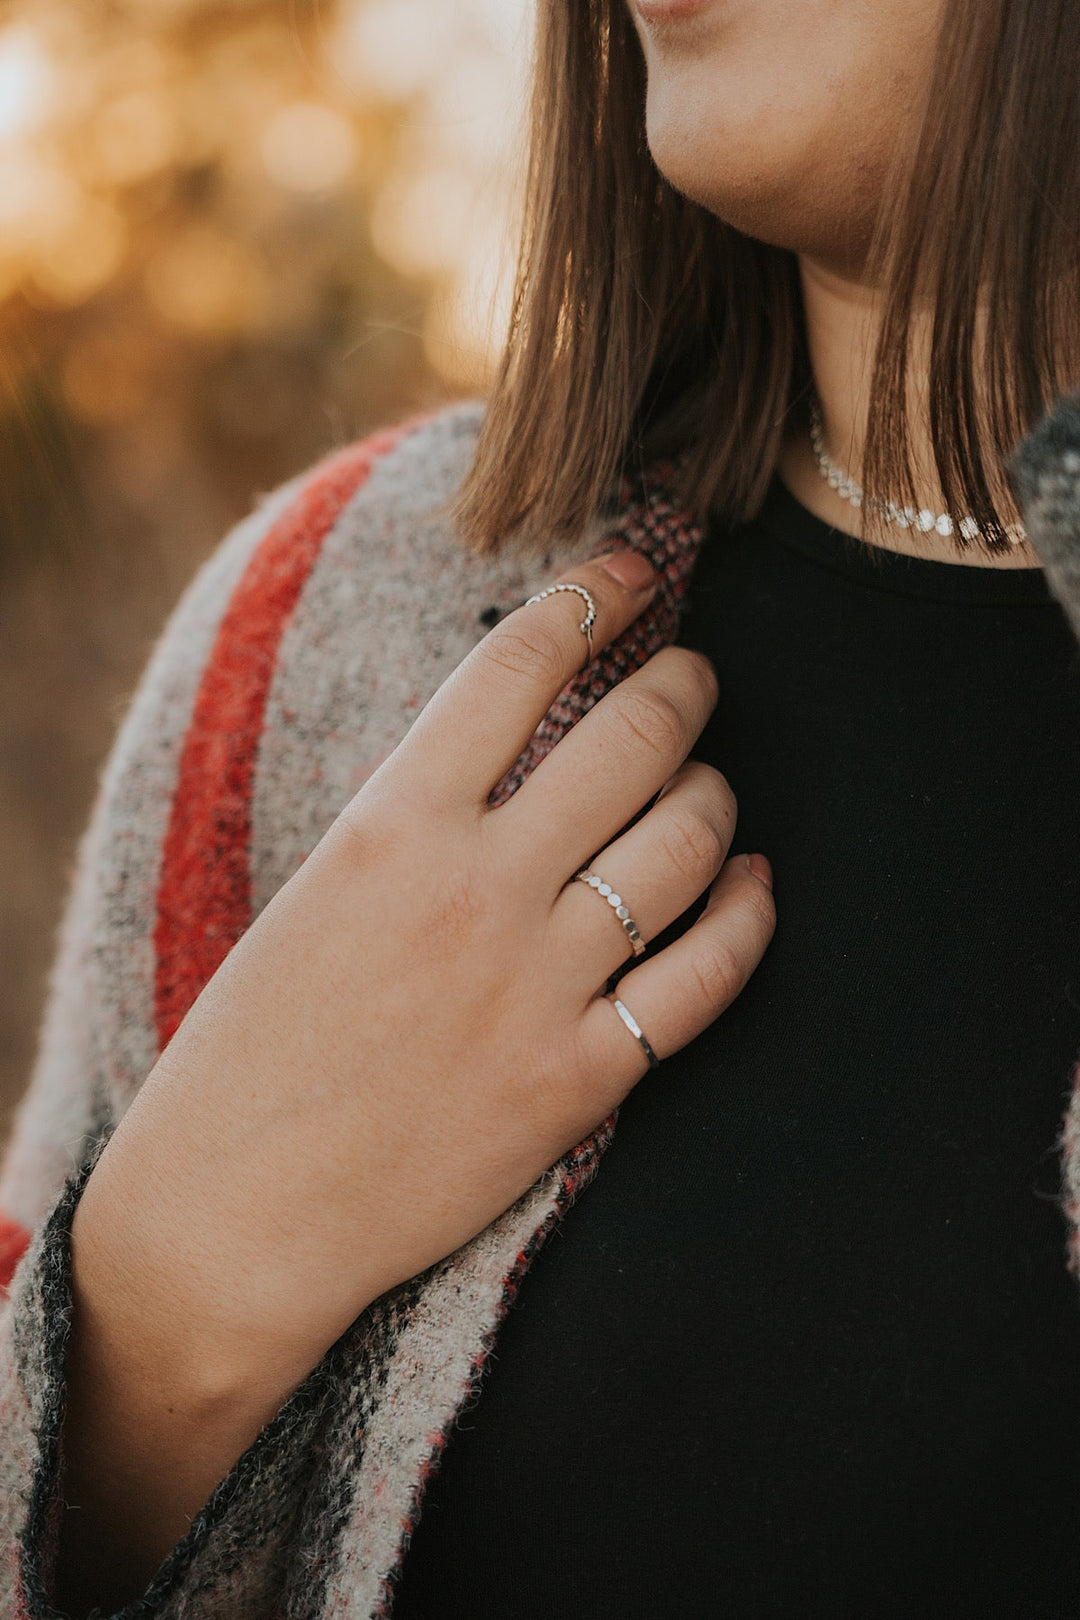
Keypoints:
pixel 635 1029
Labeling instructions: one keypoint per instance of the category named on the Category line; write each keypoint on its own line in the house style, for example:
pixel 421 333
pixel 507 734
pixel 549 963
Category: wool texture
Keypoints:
pixel 294 663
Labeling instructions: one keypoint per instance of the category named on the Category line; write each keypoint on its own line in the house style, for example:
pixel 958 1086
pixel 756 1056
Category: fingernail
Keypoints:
pixel 760 868
pixel 630 568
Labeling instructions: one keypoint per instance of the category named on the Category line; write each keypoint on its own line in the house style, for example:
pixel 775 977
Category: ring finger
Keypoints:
pixel 654 871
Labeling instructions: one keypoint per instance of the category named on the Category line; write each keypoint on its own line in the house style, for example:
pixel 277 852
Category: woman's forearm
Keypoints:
pixel 143 1453
pixel 164 1391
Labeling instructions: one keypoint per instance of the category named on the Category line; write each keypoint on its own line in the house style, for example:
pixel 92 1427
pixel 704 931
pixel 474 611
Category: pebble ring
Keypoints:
pixel 606 892
pixel 587 622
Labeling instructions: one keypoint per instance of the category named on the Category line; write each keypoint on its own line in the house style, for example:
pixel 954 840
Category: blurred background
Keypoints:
pixel 233 235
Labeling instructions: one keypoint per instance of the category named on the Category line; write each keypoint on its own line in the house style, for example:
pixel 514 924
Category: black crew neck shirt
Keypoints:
pixel 808 1345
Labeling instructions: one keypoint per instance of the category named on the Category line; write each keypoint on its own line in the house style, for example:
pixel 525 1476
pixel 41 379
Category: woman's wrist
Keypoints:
pixel 177 1284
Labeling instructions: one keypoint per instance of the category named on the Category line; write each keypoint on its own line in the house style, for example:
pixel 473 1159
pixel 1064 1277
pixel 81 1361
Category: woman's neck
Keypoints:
pixel 841 325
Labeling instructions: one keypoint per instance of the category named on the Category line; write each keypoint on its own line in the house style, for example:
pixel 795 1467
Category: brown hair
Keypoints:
pixel 622 340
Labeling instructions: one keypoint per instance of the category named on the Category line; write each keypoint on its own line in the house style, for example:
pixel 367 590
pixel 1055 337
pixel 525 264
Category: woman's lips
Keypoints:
pixel 663 11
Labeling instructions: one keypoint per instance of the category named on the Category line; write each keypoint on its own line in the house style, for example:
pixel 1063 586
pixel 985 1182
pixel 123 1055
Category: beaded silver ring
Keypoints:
pixel 635 1029
pixel 615 901
pixel 590 617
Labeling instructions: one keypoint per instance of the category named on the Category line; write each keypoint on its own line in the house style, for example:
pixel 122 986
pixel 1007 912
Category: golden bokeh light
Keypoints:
pixel 422 222
pixel 392 50
pixel 207 282
pixel 132 137
pixel 27 81
pixel 167 137
pixel 84 255
pixel 308 147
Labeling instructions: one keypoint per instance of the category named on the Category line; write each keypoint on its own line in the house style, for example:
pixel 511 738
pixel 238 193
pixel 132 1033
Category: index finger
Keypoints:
pixel 479 721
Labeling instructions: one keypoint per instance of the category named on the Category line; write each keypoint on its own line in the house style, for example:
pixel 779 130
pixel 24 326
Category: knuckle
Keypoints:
pixel 655 720
pixel 692 844
pixel 722 791
pixel 763 910
pixel 705 673
pixel 718 972
pixel 366 835
pixel 535 655
pixel 694 666
pixel 440 910
pixel 712 789
pixel 554 1093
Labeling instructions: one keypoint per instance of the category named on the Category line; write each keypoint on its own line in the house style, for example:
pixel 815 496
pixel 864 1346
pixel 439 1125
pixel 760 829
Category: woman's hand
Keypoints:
pixel 411 1032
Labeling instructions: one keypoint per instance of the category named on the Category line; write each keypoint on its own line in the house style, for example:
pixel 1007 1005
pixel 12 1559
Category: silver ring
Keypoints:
pixel 590 617
pixel 635 1029
pixel 615 901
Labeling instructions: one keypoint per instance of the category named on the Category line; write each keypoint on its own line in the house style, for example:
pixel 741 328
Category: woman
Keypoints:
pixel 338 1008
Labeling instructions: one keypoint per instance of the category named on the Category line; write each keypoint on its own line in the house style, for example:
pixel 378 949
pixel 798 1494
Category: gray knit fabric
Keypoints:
pixel 314 1519
pixel 1046 469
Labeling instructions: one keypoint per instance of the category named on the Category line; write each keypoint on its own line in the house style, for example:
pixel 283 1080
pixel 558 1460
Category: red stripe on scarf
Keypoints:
pixel 14 1239
pixel 204 895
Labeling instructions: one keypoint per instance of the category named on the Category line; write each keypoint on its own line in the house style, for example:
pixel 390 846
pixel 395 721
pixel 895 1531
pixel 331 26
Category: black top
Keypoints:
pixel 808 1345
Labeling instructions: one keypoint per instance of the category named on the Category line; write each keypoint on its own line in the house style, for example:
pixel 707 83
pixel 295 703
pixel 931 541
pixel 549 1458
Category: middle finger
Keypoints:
pixel 617 756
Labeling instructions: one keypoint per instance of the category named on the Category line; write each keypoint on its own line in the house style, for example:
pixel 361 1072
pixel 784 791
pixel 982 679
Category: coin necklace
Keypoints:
pixel 905 517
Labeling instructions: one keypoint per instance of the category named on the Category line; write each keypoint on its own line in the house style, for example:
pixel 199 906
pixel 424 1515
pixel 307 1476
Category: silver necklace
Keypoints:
pixel 905 517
